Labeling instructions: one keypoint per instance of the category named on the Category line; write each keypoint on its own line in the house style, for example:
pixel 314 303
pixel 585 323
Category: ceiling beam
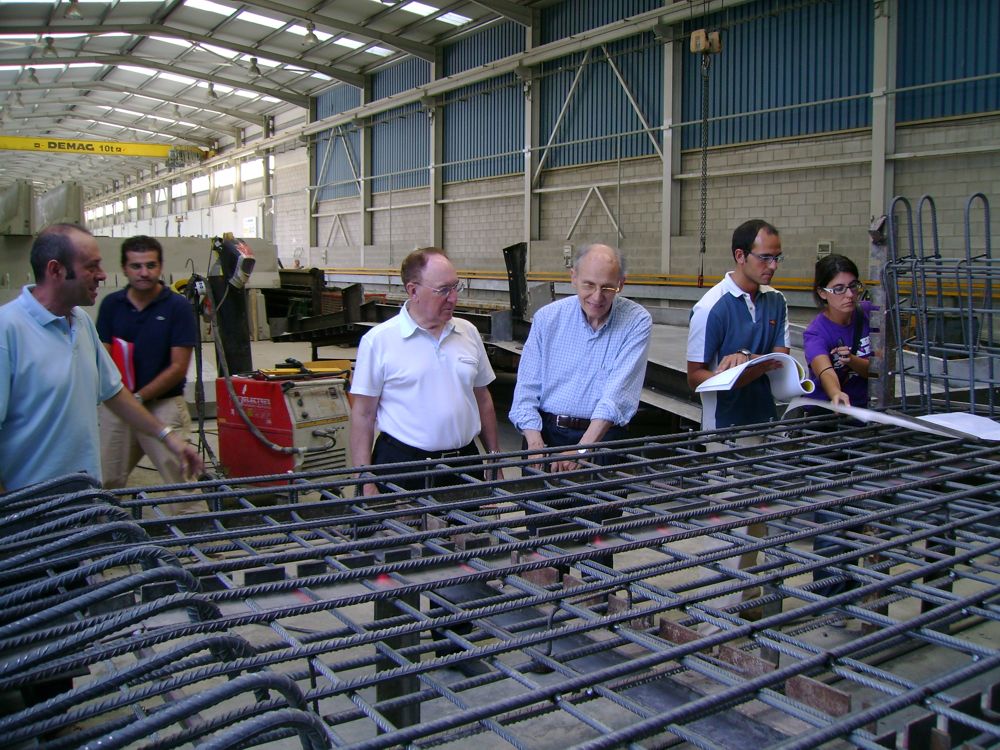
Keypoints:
pixel 333 25
pixel 101 59
pixel 513 11
pixel 258 120
pixel 119 123
pixel 141 29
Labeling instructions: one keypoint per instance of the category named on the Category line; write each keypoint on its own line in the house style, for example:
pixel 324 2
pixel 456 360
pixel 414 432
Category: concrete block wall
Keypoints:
pixel 404 227
pixel 477 230
pixel 290 204
pixel 951 179
pixel 632 191
pixel 813 190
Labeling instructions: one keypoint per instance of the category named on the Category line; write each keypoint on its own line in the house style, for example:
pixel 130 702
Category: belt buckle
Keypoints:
pixel 564 421
pixel 450 454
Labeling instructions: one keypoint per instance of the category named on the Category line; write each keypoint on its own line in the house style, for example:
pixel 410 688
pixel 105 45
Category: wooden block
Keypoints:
pixel 819 695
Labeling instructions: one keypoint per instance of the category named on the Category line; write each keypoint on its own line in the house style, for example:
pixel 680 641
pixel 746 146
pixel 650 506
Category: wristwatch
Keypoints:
pixel 138 397
pixel 746 353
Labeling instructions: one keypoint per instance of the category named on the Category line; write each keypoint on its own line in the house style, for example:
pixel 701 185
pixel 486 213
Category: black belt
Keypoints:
pixel 421 453
pixel 566 422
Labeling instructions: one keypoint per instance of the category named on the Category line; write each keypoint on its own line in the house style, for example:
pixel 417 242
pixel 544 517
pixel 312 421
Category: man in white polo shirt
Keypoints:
pixel 422 377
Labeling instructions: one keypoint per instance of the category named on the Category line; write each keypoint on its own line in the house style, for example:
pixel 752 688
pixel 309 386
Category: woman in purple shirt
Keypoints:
pixel 837 343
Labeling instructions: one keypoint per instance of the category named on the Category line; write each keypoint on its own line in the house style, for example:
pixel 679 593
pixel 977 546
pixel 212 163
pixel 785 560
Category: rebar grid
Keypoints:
pixel 592 608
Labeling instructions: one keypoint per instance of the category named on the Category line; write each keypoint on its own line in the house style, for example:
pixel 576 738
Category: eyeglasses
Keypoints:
pixel 443 291
pixel 767 259
pixel 855 286
pixel 589 287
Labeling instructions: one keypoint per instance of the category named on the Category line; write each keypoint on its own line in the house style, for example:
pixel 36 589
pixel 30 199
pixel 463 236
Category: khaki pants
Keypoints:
pixel 122 447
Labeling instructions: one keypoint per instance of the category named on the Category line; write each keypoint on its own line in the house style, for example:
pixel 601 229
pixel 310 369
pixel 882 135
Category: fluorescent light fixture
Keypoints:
pixel 187 124
pixel 321 77
pixel 380 51
pixel 257 18
pixel 128 112
pixel 210 7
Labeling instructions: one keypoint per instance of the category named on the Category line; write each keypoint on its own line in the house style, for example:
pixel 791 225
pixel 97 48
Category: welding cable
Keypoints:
pixel 234 399
pixel 192 292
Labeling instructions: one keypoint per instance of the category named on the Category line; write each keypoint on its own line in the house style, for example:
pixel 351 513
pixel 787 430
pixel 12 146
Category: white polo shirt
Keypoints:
pixel 424 384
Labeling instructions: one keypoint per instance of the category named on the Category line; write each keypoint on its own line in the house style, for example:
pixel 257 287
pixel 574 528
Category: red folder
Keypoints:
pixel 123 354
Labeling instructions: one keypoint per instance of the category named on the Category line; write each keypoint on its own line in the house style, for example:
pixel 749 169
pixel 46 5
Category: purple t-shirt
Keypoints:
pixel 822 335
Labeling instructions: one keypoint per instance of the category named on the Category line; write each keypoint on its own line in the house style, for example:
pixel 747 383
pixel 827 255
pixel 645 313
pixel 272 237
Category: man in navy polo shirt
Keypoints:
pixel 737 320
pixel 150 331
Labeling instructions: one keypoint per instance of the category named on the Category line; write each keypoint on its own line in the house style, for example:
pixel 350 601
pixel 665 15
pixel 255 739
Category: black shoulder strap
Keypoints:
pixel 859 319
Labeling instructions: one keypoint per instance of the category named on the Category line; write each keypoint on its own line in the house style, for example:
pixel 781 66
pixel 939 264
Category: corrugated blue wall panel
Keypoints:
pixel 401 149
pixel 599 107
pixel 492 43
pixel 336 100
pixel 941 42
pixel 480 121
pixel 573 16
pixel 798 55
pixel 339 177
pixel 410 73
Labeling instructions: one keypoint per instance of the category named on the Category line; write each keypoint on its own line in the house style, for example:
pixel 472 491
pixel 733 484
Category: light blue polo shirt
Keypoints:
pixel 52 377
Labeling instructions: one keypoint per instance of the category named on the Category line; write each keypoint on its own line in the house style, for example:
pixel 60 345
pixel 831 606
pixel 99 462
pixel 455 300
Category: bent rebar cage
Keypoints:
pixel 942 310
pixel 833 581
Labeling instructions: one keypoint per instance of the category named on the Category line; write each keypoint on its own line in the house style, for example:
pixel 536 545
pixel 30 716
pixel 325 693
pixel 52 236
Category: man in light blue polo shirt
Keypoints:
pixel 737 320
pixel 54 370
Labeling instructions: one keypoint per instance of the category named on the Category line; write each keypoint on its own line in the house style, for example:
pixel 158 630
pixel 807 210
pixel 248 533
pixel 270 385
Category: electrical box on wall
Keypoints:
pixel 568 256
pixel 824 248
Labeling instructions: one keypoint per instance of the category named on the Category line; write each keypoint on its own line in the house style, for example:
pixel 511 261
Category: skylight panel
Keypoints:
pixel 349 43
pixel 208 5
pixel 171 40
pixel 176 78
pixel 246 94
pixel 419 8
pixel 380 51
pixel 221 51
pixel 85 65
pixel 129 112
pixel 139 71
pixel 257 18
pixel 270 99
pixel 455 19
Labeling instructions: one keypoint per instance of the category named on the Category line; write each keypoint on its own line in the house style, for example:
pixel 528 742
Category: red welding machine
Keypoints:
pixel 310 414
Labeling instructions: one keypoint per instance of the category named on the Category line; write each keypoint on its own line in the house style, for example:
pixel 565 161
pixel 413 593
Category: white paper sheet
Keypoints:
pixel 786 383
pixel 952 424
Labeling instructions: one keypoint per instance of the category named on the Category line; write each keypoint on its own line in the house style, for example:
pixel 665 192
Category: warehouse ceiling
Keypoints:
pixel 193 74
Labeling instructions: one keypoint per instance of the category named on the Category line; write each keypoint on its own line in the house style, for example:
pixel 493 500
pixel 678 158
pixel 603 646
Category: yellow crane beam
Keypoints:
pixel 100 148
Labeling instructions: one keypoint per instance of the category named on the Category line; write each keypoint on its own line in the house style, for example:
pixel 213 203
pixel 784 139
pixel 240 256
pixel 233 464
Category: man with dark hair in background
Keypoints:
pixel 150 330
pixel 737 320
pixel 54 372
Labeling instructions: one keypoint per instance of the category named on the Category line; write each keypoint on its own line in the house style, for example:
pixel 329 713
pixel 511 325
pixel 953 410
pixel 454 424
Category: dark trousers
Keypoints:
pixel 389 450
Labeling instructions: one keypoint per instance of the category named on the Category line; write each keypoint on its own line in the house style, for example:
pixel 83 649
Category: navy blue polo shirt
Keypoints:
pixel 168 321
